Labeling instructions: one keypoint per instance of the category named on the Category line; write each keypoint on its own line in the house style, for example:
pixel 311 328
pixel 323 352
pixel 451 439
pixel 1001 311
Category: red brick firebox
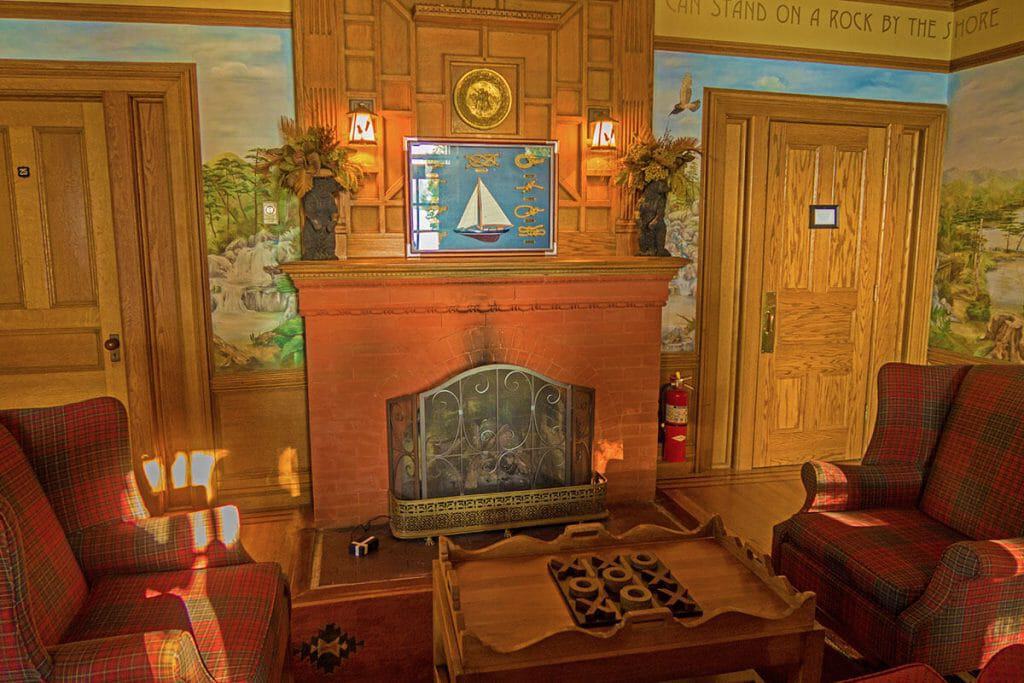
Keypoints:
pixel 381 328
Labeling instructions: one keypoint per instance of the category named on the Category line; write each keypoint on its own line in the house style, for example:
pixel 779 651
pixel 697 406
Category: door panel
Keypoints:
pixel 812 381
pixel 57 268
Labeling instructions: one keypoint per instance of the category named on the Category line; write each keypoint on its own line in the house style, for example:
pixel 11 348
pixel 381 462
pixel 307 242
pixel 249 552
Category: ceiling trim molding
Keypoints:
pixel 799 54
pixel 996 54
pixel 198 16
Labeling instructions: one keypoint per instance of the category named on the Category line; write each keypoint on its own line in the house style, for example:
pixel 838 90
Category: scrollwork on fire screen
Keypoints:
pixel 495 428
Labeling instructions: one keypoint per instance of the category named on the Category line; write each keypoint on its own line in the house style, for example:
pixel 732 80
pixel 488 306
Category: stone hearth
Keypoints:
pixel 379 328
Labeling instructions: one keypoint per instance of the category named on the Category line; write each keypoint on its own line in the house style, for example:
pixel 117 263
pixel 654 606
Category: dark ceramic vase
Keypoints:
pixel 320 207
pixel 651 220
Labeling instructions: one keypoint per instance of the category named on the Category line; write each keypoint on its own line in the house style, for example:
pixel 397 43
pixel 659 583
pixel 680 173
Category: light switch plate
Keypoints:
pixel 270 216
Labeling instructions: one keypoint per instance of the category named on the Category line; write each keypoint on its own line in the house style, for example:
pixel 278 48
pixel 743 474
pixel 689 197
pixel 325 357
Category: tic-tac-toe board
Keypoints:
pixel 598 591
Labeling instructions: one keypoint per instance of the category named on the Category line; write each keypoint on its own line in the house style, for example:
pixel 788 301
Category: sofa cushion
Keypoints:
pixel 978 472
pixel 913 404
pixel 888 554
pixel 55 587
pixel 235 614
pixel 81 456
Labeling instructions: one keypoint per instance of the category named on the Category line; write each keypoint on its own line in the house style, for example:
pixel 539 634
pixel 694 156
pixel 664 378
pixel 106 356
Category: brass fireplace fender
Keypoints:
pixel 506 510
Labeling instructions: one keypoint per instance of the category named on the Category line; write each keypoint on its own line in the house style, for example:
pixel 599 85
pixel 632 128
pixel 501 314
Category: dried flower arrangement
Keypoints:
pixel 305 154
pixel 653 167
pixel 313 164
pixel 664 158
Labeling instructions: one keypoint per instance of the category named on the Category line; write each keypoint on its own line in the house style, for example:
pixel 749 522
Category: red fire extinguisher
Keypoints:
pixel 675 401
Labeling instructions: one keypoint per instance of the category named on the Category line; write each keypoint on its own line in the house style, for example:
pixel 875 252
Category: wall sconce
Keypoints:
pixel 602 129
pixel 362 127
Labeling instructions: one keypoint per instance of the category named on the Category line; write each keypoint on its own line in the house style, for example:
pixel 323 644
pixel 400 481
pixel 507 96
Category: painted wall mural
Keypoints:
pixel 245 80
pixel 679 319
pixel 978 305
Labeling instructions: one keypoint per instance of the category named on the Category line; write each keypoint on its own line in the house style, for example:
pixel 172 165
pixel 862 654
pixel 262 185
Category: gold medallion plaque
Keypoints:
pixel 483 98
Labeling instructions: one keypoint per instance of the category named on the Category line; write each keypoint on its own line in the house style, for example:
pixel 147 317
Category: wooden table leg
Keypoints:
pixel 439 658
pixel 807 669
pixel 814 651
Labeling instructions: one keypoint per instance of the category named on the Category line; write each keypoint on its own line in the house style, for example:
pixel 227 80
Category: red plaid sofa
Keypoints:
pixel 93 588
pixel 917 554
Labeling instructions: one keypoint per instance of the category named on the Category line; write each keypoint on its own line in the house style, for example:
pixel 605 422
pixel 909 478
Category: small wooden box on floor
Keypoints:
pixel 498 614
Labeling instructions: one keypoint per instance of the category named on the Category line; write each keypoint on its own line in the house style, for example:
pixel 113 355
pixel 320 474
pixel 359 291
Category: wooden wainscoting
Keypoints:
pixel 262 435
pixel 849 300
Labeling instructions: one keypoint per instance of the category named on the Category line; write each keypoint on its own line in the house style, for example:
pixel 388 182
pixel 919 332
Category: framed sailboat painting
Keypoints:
pixel 481 197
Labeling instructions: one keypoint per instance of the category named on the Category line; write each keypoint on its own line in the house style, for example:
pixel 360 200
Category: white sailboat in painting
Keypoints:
pixel 482 218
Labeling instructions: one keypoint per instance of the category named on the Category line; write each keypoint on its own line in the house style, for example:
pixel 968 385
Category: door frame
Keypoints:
pixel 151 115
pixel 734 186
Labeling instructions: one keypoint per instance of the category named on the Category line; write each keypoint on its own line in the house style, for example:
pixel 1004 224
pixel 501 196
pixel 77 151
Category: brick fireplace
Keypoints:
pixel 379 328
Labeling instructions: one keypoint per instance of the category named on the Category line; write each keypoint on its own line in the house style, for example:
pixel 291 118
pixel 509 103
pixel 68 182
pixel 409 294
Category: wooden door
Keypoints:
pixel 59 294
pixel 818 292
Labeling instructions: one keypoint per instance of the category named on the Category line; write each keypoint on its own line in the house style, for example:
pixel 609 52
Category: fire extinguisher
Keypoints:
pixel 675 402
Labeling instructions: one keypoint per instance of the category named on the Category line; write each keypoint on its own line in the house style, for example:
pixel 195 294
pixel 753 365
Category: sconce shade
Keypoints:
pixel 602 134
pixel 362 128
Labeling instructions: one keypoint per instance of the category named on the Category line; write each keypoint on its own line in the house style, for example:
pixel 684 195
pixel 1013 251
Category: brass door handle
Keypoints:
pixel 768 312
pixel 113 346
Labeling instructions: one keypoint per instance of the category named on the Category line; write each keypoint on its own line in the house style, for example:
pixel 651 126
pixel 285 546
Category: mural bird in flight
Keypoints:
pixel 686 101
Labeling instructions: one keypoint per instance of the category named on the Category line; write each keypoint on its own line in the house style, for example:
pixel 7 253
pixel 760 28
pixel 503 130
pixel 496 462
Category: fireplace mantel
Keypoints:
pixel 379 328
pixel 483 267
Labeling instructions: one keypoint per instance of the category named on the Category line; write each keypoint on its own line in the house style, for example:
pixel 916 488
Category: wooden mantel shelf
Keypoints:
pixel 483 267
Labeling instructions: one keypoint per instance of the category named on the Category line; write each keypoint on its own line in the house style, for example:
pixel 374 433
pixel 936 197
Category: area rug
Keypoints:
pixel 388 638
pixel 384 637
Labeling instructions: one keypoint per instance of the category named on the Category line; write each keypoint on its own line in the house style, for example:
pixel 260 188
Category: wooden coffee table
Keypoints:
pixel 500 616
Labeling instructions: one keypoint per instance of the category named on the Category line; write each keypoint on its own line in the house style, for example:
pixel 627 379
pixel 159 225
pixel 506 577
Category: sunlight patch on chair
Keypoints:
pixel 856 519
pixel 200 532
pixel 229 523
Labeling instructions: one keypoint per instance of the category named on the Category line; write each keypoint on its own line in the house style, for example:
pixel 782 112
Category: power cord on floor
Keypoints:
pixel 365 526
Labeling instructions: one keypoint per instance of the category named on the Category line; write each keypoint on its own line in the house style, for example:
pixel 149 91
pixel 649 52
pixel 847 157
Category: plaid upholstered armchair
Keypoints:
pixel 918 553
pixel 93 588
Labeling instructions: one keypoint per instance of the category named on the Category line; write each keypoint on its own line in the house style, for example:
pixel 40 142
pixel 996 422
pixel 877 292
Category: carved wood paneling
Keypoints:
pixel 563 58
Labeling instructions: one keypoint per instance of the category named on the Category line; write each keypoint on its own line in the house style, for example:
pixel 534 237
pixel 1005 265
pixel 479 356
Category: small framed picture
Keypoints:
pixel 824 216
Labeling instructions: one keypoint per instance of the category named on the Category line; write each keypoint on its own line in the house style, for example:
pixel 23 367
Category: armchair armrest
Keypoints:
pixel 187 540
pixel 973 595
pixel 152 656
pixel 983 560
pixel 832 488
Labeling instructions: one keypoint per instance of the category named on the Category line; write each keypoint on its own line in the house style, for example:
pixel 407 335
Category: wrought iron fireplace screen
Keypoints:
pixel 491 429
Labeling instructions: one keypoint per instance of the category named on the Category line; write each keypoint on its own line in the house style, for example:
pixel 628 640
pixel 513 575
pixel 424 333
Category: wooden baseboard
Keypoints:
pixel 781 473
pixel 942 357
pixel 252 494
